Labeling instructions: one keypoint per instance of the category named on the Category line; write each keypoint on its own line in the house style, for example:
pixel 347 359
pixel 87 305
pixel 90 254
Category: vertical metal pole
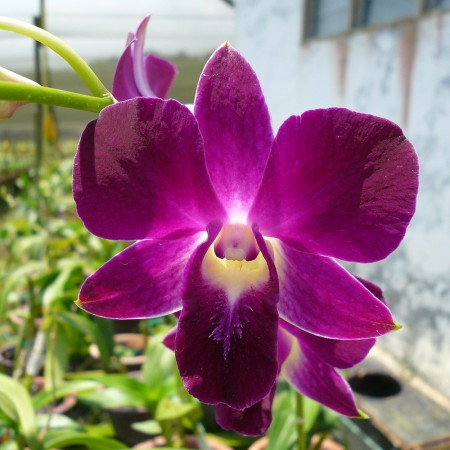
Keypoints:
pixel 38 129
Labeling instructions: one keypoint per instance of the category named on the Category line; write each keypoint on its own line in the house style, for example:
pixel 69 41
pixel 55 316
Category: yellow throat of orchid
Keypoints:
pixel 234 262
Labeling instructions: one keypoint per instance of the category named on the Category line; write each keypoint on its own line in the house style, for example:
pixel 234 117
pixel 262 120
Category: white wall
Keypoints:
pixel 401 72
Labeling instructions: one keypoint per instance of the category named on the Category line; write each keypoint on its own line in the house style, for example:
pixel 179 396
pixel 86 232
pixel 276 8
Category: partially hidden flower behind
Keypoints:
pixel 137 75
pixel 237 230
pixel 8 108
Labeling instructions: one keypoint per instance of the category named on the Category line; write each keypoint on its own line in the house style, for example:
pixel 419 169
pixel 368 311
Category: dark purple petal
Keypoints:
pixel 375 289
pixel 140 172
pixel 320 296
pixel 312 377
pixel 339 183
pixel 169 338
pixel 341 354
pixel 140 76
pixel 235 125
pixel 226 343
pixel 144 280
pixel 252 421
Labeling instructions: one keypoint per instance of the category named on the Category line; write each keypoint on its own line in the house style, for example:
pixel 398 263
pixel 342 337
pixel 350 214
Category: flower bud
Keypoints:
pixel 8 107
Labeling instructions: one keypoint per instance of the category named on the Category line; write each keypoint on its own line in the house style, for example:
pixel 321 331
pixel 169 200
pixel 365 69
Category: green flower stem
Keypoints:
pixel 61 48
pixel 49 96
pixel 301 434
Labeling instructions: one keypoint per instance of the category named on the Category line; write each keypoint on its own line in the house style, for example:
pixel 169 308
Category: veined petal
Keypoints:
pixel 144 280
pixel 140 172
pixel 235 124
pixel 340 183
pixel 255 420
pixel 140 76
pixel 321 297
pixel 252 421
pixel 226 343
pixel 341 354
pixel 314 378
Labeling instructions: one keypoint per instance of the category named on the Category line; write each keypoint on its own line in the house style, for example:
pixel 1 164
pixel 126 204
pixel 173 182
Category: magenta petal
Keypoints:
pixel 124 86
pixel 169 338
pixel 161 75
pixel 317 380
pixel 144 280
pixel 235 125
pixel 140 76
pixel 375 289
pixel 320 296
pixel 226 348
pixel 140 172
pixel 340 183
pixel 252 421
pixel 341 354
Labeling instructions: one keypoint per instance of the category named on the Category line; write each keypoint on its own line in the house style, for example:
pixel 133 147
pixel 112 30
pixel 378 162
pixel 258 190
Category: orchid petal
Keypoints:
pixel 226 348
pixel 140 76
pixel 252 421
pixel 321 297
pixel 235 124
pixel 169 338
pixel 341 354
pixel 339 183
pixel 255 420
pixel 140 172
pixel 144 280
pixel 373 288
pixel 312 377
pixel 161 75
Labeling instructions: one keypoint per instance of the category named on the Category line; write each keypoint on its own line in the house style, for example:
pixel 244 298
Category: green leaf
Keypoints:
pixel 158 371
pixel 56 356
pixel 58 421
pixel 170 410
pixel 311 410
pixel 92 330
pixel 8 407
pixel 111 398
pixel 151 427
pixel 282 433
pixel 56 289
pixel 16 278
pixel 64 438
pixel 16 403
pixel 9 446
pixel 44 398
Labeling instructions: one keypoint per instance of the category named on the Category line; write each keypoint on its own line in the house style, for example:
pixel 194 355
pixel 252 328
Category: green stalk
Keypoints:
pixel 78 64
pixel 301 435
pixel 50 96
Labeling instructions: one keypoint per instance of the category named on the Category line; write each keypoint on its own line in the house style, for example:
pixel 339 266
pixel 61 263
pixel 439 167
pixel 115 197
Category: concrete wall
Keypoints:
pixel 401 72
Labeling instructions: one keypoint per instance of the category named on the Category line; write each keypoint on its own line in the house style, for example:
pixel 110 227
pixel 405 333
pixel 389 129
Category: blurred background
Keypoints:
pixel 186 32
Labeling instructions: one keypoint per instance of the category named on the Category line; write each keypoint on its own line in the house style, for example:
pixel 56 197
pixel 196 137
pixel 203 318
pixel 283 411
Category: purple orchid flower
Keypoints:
pixel 137 75
pixel 236 228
